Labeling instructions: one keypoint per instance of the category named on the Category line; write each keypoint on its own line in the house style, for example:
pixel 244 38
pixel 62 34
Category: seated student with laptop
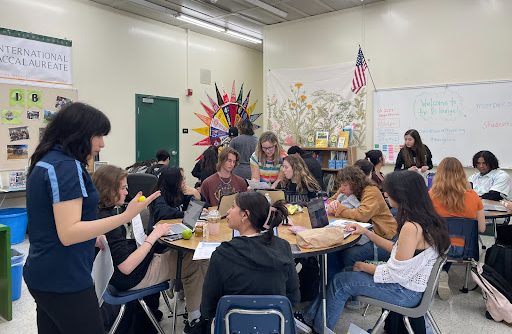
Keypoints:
pixel 143 266
pixel 224 182
pixel 257 262
pixel 298 184
pixel 175 199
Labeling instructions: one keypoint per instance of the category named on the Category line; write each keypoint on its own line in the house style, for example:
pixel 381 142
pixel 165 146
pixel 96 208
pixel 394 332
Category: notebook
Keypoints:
pixel 194 210
pixel 494 207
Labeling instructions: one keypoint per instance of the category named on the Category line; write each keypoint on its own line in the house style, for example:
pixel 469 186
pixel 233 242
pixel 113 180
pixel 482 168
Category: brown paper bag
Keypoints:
pixel 321 237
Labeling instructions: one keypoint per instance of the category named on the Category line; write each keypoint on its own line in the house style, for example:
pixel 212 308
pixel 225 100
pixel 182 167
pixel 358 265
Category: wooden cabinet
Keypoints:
pixel 333 153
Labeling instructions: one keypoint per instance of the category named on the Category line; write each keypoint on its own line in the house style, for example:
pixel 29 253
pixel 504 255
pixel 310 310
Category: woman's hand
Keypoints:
pixel 333 206
pixel 365 267
pixel 99 242
pixel 159 230
pixel 356 229
pixel 413 169
pixel 135 207
pixel 189 191
pixel 424 169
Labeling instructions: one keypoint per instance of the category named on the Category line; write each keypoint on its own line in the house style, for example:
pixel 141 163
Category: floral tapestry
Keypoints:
pixel 302 101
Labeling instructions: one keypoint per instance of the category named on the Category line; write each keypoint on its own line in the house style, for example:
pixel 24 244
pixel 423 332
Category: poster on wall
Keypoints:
pixel 27 58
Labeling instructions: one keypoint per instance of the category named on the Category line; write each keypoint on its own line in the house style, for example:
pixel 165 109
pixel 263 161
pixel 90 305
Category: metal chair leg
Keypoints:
pixel 118 319
pixel 407 325
pixel 175 312
pixel 167 302
pixel 151 317
pixel 433 323
pixel 466 280
pixel 481 241
pixel 380 323
pixel 366 310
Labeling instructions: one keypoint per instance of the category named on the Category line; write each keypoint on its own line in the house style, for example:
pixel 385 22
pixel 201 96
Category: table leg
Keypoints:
pixel 178 286
pixel 323 280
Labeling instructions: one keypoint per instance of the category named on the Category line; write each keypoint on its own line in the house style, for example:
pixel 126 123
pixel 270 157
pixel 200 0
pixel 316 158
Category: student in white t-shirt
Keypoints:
pixel 490 182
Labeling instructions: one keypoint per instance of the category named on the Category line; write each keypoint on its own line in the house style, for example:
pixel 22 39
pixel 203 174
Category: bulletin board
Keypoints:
pixel 24 113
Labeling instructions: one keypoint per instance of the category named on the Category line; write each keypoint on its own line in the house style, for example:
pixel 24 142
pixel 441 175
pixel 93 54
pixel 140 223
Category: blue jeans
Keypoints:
pixel 355 283
pixel 337 261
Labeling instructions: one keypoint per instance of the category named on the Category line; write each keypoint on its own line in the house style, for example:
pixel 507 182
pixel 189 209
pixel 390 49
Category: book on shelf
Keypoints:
pixel 333 140
pixel 343 139
pixel 310 140
pixel 322 139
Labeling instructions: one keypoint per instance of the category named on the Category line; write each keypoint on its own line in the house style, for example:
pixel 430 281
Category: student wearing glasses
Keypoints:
pixel 266 162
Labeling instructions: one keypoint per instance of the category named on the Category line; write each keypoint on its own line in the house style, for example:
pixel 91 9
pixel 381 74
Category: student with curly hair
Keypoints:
pixel 299 185
pixel 370 207
pixel 490 182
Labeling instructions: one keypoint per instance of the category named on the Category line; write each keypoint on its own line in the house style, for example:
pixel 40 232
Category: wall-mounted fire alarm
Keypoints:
pixel 189 91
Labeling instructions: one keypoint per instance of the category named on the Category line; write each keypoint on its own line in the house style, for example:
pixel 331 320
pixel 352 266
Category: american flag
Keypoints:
pixel 359 80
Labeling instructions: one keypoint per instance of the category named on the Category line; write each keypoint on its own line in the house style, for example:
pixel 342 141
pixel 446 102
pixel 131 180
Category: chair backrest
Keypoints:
pixel 463 234
pixel 140 182
pixel 275 195
pixel 254 314
pixel 431 289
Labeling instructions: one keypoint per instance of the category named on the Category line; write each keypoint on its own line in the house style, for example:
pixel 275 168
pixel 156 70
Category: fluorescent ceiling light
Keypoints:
pixel 244 37
pixel 268 7
pixel 200 23
pixel 153 6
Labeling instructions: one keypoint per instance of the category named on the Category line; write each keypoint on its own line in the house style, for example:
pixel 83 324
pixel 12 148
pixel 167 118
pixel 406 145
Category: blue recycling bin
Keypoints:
pixel 16 219
pixel 16 273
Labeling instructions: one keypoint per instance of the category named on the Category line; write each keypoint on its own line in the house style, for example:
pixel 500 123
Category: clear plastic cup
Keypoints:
pixel 214 222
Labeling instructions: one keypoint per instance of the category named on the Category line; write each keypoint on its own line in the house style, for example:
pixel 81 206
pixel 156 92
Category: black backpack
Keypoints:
pixel 499 258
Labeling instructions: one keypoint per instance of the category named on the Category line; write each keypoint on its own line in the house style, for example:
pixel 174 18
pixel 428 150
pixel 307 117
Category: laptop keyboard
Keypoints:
pixel 178 228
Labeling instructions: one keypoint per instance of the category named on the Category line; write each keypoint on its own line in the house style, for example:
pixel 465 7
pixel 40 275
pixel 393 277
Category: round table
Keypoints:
pixel 493 215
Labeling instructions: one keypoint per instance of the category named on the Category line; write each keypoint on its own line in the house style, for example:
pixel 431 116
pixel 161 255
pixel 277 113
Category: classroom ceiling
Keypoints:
pixel 246 17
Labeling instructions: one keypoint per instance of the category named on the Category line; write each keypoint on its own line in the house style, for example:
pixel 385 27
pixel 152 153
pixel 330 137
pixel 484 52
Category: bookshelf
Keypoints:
pixel 328 153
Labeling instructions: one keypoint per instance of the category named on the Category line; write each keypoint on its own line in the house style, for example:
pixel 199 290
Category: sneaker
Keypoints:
pixel 355 305
pixel 197 326
pixel 443 289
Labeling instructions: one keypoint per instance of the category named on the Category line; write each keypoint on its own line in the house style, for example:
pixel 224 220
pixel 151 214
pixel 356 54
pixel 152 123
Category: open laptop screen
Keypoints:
pixel 193 213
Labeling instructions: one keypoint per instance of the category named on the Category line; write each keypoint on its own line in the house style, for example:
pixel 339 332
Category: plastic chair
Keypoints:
pixel 114 297
pixel 254 314
pixel 140 182
pixel 463 234
pixel 415 312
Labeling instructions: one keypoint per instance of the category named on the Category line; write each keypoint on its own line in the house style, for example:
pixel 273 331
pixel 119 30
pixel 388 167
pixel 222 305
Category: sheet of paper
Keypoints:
pixel 258 185
pixel 138 230
pixel 205 250
pixel 343 222
pixel 102 269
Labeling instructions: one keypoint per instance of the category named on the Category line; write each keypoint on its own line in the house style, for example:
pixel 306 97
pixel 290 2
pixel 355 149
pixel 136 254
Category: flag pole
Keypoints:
pixel 370 72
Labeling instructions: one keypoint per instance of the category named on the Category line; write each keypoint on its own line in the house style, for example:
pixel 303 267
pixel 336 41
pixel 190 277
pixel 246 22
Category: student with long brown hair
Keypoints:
pixel 266 162
pixel 452 196
pixel 299 185
pixel 414 155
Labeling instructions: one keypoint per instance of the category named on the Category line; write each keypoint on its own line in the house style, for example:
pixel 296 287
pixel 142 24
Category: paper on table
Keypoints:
pixel 138 230
pixel 102 269
pixel 343 222
pixel 205 250
pixel 258 185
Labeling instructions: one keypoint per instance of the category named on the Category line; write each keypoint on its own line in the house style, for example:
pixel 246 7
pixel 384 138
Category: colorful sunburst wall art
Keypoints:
pixel 223 114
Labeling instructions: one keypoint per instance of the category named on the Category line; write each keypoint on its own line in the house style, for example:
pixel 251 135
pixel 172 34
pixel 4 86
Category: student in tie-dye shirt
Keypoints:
pixel 266 162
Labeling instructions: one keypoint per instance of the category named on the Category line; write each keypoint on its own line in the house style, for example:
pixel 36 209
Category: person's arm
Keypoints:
pixel 161 210
pixel 480 217
pixel 399 161
pixel 280 178
pixel 492 195
pixel 72 230
pixel 135 258
pixel 255 168
pixel 187 190
pixel 368 207
pixel 357 229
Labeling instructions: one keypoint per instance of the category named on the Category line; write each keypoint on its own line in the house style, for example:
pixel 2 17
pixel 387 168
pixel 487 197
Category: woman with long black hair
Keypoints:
pixel 414 155
pixel 62 217
pixel 422 238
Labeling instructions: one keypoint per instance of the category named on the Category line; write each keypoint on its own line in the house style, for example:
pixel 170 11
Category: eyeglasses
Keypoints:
pixel 268 148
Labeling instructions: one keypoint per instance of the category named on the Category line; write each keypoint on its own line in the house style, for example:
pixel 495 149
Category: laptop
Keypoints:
pixel 225 203
pixel 494 207
pixel 275 195
pixel 194 210
pixel 318 215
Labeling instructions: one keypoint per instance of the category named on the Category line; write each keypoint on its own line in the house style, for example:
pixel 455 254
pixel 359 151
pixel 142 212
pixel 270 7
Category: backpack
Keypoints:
pixel 498 305
pixel 499 257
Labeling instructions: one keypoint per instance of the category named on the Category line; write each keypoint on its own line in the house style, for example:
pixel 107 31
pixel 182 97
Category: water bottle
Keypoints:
pixel 267 196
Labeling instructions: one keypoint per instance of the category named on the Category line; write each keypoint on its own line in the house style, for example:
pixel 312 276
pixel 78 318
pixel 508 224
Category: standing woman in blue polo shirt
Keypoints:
pixel 62 206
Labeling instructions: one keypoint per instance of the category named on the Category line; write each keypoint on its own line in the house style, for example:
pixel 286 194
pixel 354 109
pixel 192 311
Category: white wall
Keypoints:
pixel 407 42
pixel 117 55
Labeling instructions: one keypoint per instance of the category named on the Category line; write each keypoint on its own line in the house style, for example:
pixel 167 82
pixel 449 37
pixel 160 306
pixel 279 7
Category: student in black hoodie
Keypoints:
pixel 256 263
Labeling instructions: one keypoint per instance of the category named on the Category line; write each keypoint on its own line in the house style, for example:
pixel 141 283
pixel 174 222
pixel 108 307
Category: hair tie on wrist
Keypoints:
pixel 149 243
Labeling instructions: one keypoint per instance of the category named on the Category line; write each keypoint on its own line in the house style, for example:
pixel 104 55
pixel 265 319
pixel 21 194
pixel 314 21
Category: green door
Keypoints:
pixel 156 127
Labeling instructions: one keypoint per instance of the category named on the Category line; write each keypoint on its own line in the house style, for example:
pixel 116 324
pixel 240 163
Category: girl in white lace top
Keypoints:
pixel 422 237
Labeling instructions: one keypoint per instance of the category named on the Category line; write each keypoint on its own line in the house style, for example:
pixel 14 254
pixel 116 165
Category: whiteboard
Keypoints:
pixel 453 120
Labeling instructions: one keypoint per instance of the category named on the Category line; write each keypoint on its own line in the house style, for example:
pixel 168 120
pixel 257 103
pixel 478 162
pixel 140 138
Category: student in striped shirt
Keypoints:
pixel 266 162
